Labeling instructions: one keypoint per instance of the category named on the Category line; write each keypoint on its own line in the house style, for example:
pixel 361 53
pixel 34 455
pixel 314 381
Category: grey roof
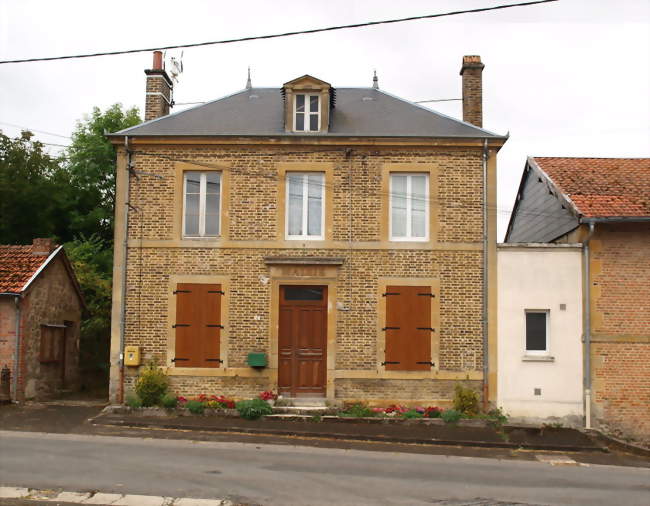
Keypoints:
pixel 359 112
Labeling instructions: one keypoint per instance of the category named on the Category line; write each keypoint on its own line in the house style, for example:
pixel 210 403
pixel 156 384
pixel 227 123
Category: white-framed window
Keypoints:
pixel 306 117
pixel 201 204
pixel 305 206
pixel 537 331
pixel 409 206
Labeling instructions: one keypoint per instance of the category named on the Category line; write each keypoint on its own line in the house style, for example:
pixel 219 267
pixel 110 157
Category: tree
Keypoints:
pixel 31 191
pixel 91 170
pixel 91 260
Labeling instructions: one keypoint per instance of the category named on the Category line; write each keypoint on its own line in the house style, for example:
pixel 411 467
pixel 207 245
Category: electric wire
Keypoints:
pixel 279 35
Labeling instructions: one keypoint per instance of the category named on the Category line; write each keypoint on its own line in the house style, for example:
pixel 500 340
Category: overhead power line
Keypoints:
pixel 278 35
pixel 34 130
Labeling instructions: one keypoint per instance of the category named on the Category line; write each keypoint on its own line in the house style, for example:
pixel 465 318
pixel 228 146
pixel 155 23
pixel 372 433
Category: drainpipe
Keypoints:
pixel 587 323
pixel 127 204
pixel 485 279
pixel 17 350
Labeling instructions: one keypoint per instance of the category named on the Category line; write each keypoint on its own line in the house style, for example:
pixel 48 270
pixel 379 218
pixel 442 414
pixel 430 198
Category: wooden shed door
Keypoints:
pixel 302 340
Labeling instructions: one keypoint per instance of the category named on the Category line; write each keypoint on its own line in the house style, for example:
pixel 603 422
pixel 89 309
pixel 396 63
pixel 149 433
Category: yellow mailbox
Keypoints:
pixel 132 355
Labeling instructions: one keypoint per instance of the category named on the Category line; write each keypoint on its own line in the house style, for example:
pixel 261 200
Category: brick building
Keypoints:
pixel 40 314
pixel 324 242
pixel 603 203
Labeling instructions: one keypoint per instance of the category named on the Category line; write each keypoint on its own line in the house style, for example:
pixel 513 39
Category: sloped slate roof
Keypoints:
pixel 602 187
pixel 359 112
pixel 17 265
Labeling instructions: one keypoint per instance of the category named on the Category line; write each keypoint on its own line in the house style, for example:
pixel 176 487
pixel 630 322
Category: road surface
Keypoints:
pixel 283 475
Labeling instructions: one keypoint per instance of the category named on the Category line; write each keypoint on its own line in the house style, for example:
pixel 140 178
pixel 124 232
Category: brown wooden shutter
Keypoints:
pixel 408 328
pixel 198 325
pixel 211 336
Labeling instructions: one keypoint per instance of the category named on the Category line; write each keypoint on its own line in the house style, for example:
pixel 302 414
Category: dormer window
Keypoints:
pixel 307 113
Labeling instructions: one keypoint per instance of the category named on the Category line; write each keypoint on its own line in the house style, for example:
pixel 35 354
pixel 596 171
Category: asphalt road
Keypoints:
pixel 270 474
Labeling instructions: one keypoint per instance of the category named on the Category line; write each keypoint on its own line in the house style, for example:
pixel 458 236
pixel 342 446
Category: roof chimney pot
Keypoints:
pixel 157 60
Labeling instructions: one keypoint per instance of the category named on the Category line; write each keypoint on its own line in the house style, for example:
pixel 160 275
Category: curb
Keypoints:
pixel 617 443
pixel 350 437
pixel 102 498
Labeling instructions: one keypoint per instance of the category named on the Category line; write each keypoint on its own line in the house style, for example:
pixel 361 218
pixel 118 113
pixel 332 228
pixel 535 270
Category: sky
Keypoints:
pixel 568 78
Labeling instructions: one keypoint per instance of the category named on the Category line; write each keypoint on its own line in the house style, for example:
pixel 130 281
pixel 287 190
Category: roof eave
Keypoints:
pixel 615 219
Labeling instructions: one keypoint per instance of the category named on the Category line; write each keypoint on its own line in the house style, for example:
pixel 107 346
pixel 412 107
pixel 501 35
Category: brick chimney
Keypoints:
pixel 159 97
pixel 472 71
pixel 42 246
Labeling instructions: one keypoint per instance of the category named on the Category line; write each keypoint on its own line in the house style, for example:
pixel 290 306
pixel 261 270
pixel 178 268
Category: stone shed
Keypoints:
pixel 40 313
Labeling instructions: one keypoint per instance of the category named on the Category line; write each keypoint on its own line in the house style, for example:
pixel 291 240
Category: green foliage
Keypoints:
pixel 32 191
pixel 466 400
pixel 412 414
pixel 151 385
pixel 316 419
pixel 169 401
pixel 253 409
pixel 497 417
pixel 92 260
pixel 195 407
pixel 133 401
pixel 91 170
pixel 451 415
pixel 357 410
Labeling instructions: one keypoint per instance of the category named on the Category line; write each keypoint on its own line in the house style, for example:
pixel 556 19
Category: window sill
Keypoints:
pixel 538 358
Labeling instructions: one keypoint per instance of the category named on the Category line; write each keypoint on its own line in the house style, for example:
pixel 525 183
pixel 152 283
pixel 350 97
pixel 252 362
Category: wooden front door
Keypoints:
pixel 302 340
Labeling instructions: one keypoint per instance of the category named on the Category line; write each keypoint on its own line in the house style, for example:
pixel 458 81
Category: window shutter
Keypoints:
pixel 211 325
pixel 198 325
pixel 186 354
pixel 408 328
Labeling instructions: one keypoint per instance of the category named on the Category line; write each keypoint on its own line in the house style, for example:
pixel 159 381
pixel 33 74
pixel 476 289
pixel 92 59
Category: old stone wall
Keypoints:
pixel 51 299
pixel 620 286
pixel 157 251
pixel 8 335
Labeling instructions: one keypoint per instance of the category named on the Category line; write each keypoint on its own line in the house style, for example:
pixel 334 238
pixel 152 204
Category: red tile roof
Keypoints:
pixel 602 187
pixel 17 265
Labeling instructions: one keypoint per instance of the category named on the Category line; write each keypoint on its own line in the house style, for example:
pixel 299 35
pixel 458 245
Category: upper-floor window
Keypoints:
pixel 305 207
pixel 409 207
pixel 201 204
pixel 307 113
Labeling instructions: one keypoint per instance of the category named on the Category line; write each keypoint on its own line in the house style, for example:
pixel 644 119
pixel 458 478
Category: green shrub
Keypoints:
pixel 151 385
pixel 169 401
pixel 466 400
pixel 133 401
pixel 195 407
pixel 451 415
pixel 497 417
pixel 412 414
pixel 253 409
pixel 357 410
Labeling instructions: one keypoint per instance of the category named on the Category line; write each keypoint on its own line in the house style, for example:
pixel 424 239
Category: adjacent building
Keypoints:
pixel 325 242
pixel 40 312
pixel 604 204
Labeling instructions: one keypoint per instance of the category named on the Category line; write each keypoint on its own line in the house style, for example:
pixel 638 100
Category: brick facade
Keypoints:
pixel 157 252
pixel 620 279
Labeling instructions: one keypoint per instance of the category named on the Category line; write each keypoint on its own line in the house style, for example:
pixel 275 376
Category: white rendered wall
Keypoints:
pixel 540 278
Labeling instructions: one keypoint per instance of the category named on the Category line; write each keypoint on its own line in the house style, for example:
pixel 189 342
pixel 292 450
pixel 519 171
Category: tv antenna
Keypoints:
pixel 176 66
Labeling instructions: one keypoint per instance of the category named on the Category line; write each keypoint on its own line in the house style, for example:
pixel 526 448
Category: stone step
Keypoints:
pixel 300 410
pixel 306 402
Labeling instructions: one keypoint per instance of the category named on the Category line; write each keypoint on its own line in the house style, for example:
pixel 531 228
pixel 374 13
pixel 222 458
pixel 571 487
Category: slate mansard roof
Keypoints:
pixel 358 112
